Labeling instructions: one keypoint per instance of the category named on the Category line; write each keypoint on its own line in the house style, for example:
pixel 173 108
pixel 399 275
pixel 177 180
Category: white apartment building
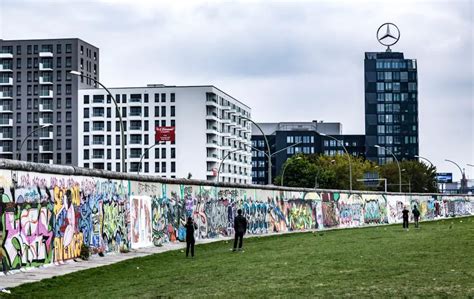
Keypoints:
pixel 210 125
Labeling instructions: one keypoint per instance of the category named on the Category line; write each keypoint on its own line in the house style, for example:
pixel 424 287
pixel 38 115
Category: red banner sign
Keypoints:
pixel 164 134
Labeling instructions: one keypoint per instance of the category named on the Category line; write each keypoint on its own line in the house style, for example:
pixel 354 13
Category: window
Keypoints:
pixel 163 110
pixel 380 86
pixel 388 75
pixel 173 166
pixel 381 129
pixel 173 153
pixel 172 97
pixel 68 48
pixel 157 97
pixel 86 139
pixel 58 131
pixel 411 86
pixel 163 166
pixel 86 112
pixel 58 144
pixel 86 154
pixel 68 89
pixel 68 117
pixel 68 130
pixel 163 153
pixel 157 111
pixel 163 97
pixel 68 144
pixel 172 111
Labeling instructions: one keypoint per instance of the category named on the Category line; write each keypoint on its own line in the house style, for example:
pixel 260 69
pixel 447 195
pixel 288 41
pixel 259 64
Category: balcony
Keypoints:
pixel 6 109
pixel 6 55
pixel 213 158
pixel 6 122
pixel 45 66
pixel 6 81
pixel 211 130
pixel 45 80
pixel 212 144
pixel 45 149
pixel 46 135
pixel 6 67
pixel 45 54
pixel 45 107
pixel 6 150
pixel 5 95
pixel 6 136
pixel 45 121
pixel 46 94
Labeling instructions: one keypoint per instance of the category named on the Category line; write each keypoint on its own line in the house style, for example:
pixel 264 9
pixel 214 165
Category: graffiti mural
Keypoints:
pixel 50 218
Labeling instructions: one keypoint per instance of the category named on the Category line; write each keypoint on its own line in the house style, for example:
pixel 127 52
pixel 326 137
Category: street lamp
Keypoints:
pixel 284 168
pixel 222 161
pixel 432 165
pixel 462 173
pixel 348 156
pixel 143 155
pixel 24 139
pixel 122 130
pixel 269 182
pixel 398 164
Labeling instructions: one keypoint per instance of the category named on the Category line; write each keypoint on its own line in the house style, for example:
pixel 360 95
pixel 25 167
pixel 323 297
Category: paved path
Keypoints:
pixel 33 274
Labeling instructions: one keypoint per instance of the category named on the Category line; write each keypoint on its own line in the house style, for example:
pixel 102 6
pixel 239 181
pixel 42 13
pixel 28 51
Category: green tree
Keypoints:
pixel 333 173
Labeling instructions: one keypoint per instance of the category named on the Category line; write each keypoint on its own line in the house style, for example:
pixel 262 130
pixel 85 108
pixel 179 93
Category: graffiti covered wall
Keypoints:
pixel 47 217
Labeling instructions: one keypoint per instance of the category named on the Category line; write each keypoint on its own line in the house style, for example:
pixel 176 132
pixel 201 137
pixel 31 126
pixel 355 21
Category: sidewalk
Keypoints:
pixel 33 274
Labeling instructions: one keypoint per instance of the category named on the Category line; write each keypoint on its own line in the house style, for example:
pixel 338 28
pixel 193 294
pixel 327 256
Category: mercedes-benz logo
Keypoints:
pixel 388 34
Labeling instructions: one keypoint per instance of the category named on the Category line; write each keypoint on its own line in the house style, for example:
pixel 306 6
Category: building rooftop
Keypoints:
pixel 314 126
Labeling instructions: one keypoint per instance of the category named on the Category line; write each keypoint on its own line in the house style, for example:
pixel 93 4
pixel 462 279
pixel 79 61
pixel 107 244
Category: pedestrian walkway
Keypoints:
pixel 34 274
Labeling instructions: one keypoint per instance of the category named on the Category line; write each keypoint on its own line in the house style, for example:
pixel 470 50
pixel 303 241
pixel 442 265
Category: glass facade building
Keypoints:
pixel 391 107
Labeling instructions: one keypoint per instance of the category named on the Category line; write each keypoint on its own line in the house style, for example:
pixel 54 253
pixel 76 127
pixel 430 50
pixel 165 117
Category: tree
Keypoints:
pixel 333 173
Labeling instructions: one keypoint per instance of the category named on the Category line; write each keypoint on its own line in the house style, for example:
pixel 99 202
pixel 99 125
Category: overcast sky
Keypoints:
pixel 289 61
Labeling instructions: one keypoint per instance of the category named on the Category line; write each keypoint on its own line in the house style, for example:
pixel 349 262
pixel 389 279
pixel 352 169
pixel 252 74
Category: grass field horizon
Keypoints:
pixel 435 260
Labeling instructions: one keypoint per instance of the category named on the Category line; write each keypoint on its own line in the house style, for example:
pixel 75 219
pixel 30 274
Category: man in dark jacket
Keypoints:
pixel 405 213
pixel 240 227
pixel 190 241
pixel 416 216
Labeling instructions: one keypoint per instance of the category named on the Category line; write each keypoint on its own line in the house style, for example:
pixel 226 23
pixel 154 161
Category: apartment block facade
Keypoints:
pixel 209 125
pixel 391 107
pixel 290 138
pixel 38 97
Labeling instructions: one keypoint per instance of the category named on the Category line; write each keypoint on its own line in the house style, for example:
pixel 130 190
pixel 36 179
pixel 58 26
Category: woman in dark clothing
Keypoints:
pixel 190 227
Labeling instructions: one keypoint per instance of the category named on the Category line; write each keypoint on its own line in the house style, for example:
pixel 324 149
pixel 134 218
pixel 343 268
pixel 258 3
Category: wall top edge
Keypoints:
pixel 15 165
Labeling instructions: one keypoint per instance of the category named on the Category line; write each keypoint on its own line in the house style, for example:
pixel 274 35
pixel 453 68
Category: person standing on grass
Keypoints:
pixel 416 215
pixel 190 227
pixel 405 213
pixel 240 227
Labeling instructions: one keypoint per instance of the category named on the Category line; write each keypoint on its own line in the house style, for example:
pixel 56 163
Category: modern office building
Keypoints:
pixel 308 139
pixel 38 96
pixel 209 126
pixel 391 107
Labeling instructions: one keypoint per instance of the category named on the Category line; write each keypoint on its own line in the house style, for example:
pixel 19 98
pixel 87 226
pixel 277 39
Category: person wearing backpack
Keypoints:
pixel 416 215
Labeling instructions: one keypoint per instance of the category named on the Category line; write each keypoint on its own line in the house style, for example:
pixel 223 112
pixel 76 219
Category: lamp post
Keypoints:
pixel 222 161
pixel 398 164
pixel 122 130
pixel 269 182
pixel 143 155
pixel 284 168
pixel 18 156
pixel 432 165
pixel 278 151
pixel 348 156
pixel 462 173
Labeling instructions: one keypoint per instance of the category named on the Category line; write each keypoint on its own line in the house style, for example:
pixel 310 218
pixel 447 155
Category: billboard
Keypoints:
pixel 164 134
pixel 444 177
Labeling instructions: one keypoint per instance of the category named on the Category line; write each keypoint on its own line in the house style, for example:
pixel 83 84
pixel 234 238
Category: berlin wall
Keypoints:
pixel 49 212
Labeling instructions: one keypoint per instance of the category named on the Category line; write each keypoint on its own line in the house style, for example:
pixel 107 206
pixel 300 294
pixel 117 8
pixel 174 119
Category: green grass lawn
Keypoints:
pixel 435 260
